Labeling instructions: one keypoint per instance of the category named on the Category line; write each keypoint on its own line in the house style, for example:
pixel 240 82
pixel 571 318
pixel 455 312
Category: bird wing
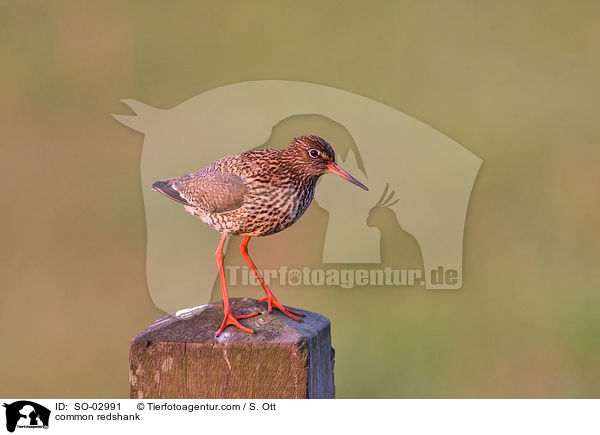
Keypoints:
pixel 211 191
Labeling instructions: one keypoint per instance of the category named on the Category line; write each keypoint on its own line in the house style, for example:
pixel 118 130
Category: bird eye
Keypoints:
pixel 313 153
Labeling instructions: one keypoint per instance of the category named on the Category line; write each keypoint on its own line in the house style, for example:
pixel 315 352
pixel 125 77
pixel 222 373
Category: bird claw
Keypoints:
pixel 232 319
pixel 272 302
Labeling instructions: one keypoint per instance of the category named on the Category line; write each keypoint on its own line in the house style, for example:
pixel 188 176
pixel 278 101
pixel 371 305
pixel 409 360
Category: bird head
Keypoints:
pixel 314 156
pixel 382 209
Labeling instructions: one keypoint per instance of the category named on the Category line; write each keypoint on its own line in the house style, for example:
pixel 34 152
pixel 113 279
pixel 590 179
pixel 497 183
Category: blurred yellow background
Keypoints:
pixel 517 84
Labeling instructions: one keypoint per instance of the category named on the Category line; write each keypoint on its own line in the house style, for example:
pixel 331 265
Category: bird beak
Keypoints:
pixel 335 169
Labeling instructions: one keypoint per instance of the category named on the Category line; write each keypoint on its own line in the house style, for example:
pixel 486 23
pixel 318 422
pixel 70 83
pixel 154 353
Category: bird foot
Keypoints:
pixel 272 302
pixel 232 319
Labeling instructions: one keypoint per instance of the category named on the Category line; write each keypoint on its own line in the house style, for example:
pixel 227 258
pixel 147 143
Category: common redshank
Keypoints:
pixel 255 193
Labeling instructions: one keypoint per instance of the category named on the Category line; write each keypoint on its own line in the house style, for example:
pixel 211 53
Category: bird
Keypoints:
pixel 252 194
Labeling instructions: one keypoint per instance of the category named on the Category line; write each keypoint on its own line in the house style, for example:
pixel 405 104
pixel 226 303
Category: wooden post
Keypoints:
pixel 178 356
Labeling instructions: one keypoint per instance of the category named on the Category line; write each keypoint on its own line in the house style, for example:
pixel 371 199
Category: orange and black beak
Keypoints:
pixel 335 169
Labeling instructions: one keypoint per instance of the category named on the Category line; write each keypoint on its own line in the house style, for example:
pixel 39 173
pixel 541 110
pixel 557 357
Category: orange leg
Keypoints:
pixel 230 319
pixel 271 301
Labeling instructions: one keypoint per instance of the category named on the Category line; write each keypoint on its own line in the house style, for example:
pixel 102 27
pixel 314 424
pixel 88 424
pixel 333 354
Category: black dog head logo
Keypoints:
pixel 30 411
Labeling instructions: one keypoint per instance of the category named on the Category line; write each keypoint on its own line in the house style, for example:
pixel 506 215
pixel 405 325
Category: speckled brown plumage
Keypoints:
pixel 255 193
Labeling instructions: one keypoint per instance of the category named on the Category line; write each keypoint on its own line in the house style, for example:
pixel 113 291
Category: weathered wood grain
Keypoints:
pixel 179 356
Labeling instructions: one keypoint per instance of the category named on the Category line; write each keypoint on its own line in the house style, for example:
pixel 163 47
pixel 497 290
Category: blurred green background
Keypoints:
pixel 516 83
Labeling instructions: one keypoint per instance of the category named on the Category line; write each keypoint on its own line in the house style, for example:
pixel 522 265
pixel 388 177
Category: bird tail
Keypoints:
pixel 167 189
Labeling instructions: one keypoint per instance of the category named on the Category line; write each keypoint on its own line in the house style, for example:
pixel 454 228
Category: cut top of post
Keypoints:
pixel 180 356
